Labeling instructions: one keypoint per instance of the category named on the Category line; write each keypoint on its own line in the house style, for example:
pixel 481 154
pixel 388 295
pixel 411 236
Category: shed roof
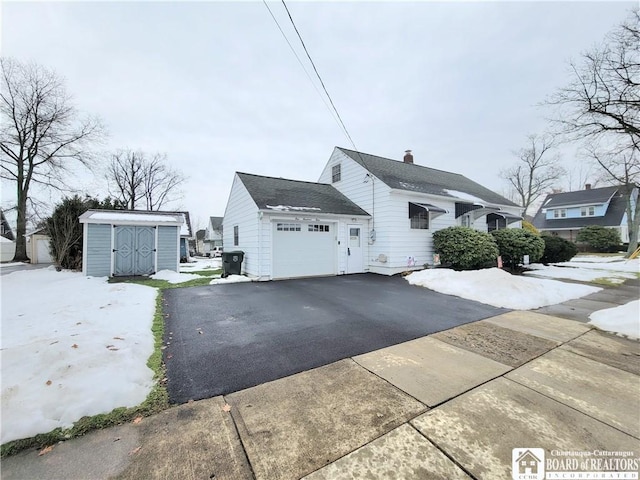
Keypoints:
pixel 283 195
pixel 416 178
pixel 132 216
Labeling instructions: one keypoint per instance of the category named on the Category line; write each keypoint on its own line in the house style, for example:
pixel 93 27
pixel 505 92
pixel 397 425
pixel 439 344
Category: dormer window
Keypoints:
pixel 588 211
pixel 560 213
pixel 335 173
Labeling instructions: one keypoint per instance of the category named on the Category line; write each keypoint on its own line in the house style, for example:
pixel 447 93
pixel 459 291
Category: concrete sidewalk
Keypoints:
pixel 449 405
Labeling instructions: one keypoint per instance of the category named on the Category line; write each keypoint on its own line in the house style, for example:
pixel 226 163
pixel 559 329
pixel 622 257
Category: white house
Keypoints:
pixel 384 224
pixel 213 234
pixel 564 214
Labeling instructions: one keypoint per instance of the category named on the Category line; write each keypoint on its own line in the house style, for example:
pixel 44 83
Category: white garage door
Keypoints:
pixel 302 249
pixel 42 251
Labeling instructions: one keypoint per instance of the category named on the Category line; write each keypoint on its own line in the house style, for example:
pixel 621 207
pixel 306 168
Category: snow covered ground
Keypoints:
pixel 230 279
pixel 615 269
pixel 71 346
pixel 201 264
pixel 175 277
pixel 624 319
pixel 499 288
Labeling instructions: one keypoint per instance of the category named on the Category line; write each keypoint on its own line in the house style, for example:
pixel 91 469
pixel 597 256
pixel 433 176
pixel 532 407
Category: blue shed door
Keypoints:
pixel 134 251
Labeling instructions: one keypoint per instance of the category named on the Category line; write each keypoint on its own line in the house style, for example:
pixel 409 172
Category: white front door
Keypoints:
pixel 354 249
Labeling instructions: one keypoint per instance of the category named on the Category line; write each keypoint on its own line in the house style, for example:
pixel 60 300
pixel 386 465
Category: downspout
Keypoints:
pixel 259 246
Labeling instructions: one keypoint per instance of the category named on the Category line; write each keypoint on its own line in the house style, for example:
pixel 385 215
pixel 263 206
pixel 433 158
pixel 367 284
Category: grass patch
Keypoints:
pixel 207 273
pixel 156 401
pixel 609 281
pixel 161 284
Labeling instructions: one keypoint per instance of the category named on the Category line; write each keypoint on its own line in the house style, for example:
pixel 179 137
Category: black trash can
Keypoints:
pixel 232 263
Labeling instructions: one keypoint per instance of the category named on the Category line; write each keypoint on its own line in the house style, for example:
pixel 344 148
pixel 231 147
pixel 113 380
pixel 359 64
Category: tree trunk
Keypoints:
pixel 21 227
pixel 633 220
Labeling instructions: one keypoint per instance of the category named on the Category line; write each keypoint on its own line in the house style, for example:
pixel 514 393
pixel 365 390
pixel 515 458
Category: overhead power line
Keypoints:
pixel 319 77
pixel 303 67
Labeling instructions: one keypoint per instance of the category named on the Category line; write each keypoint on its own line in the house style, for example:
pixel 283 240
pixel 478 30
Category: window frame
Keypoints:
pixel 318 227
pixel 419 221
pixel 236 235
pixel 336 173
pixel 560 213
pixel 589 211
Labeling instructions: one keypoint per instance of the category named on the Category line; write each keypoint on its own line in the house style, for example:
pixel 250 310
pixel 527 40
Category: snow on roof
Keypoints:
pixel 287 208
pixel 5 240
pixel 137 217
pixel 465 196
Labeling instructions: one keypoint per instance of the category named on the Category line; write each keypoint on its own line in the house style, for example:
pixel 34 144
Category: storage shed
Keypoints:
pixel 126 243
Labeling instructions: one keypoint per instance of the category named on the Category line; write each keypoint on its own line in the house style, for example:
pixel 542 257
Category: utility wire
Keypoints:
pixel 303 67
pixel 319 77
pixel 344 127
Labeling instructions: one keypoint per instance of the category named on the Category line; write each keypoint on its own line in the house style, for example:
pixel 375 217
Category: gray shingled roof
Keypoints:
pixel 416 178
pixel 581 197
pixel 216 223
pixel 280 194
pixel 612 218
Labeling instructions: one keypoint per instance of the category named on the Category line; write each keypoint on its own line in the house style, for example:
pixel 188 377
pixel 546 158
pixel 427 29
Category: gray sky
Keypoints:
pixel 215 86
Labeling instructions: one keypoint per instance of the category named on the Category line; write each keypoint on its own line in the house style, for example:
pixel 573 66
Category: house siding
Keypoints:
pixel 167 248
pixel 352 185
pixel 241 211
pixel 576 212
pixel 98 245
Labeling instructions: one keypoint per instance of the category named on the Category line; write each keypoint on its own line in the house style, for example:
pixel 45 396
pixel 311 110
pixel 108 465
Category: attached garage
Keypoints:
pixel 129 243
pixel 292 229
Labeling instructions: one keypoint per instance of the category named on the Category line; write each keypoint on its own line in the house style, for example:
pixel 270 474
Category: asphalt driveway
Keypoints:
pixel 224 338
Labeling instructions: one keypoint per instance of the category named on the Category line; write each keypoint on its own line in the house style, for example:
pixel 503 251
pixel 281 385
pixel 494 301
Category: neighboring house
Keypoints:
pixel 200 234
pixel 5 228
pixel 38 246
pixel 126 243
pixel 366 214
pixel 7 240
pixel 564 214
pixel 186 236
pixel 213 235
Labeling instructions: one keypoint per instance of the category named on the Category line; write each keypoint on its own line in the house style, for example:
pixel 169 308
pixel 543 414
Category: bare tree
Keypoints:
pixel 602 99
pixel 601 105
pixel 622 167
pixel 537 170
pixel 41 135
pixel 142 180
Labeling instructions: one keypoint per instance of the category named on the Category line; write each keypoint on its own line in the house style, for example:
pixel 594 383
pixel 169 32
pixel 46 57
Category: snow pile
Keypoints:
pixel 174 277
pixel 624 319
pixel 573 272
pixel 230 279
pixel 201 264
pixel 498 288
pixel 618 264
pixel 71 346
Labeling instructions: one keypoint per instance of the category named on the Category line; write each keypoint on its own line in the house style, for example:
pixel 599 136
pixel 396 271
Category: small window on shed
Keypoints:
pixel 236 236
pixel 335 173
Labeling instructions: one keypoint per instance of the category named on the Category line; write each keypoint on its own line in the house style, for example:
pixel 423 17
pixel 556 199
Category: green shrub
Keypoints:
pixel 465 248
pixel 515 243
pixel 599 238
pixel 557 249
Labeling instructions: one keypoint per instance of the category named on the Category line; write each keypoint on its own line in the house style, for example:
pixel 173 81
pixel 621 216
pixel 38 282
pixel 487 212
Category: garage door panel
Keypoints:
pixel 303 249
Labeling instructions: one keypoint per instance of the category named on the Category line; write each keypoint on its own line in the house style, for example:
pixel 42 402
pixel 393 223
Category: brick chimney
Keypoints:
pixel 587 186
pixel 408 156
